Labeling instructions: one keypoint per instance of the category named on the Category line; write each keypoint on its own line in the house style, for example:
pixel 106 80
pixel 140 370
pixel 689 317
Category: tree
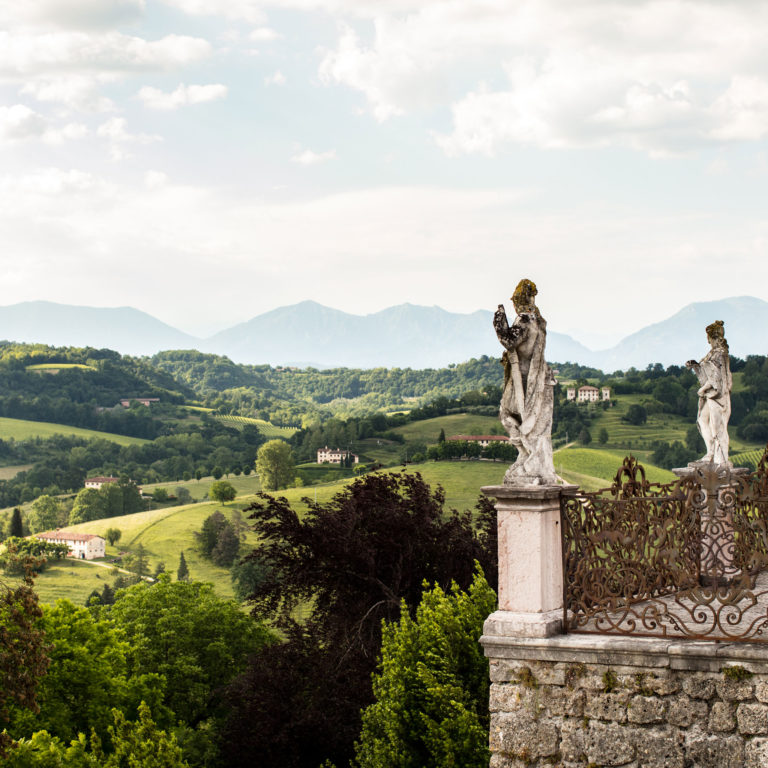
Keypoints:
pixel 217 473
pixel 23 648
pixel 88 675
pixel 636 415
pixel 208 534
pixel 602 436
pixel 348 560
pixel 183 572
pixel 186 633
pixel 431 686
pixel 45 514
pixel 274 463
pixel 160 495
pixel 247 574
pixel 89 505
pixel 183 496
pixel 16 527
pixel 585 437
pixel 441 436
pixel 227 547
pixel 139 743
pixel 222 491
pixel 113 535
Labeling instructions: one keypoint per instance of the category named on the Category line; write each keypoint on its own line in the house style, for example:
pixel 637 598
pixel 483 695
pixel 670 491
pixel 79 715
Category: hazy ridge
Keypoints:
pixel 406 335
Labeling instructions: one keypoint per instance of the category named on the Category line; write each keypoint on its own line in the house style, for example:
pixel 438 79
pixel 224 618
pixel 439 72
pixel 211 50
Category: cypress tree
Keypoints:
pixel 16 527
pixel 183 573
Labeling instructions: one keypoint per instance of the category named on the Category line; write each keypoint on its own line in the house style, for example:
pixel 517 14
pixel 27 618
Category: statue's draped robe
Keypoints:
pixel 526 406
pixel 715 403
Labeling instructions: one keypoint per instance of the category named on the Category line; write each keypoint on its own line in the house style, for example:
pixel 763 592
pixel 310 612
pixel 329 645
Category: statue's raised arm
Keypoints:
pixel 714 374
pixel 528 397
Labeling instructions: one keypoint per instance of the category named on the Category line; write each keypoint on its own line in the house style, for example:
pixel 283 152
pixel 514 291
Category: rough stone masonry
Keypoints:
pixel 646 704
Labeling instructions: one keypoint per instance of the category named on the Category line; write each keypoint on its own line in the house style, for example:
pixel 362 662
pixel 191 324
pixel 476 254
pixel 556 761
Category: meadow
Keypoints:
pixel 20 429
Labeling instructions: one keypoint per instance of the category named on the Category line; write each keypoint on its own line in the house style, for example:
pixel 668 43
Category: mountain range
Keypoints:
pixel 406 335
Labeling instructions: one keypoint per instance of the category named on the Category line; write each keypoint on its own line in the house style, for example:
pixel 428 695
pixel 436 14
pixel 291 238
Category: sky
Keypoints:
pixel 209 160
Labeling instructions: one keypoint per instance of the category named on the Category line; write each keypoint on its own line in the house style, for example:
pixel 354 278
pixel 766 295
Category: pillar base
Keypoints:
pixel 512 624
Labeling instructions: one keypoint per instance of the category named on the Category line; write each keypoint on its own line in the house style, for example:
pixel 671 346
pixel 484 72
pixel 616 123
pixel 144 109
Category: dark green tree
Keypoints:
pixel 636 415
pixel 602 436
pixel 585 437
pixel 182 574
pixel 227 547
pixel 441 436
pixel 217 473
pixel 346 560
pixel 16 527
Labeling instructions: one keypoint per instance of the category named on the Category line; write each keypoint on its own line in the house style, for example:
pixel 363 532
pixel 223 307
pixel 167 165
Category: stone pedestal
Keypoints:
pixel 530 560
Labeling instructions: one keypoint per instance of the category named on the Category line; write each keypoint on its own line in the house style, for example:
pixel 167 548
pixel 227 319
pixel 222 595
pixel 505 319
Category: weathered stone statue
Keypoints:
pixel 528 396
pixel 714 374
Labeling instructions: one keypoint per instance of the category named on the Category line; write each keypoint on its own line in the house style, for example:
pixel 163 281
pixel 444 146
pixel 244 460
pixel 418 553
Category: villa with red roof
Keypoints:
pixel 84 546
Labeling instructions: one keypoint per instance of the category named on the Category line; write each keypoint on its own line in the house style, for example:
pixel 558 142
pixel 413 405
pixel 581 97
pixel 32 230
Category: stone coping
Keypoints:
pixel 615 650
pixel 528 492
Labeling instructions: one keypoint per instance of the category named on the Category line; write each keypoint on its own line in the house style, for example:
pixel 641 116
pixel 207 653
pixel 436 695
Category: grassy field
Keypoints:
pixel 71 579
pixel 453 424
pixel 266 428
pixel 6 473
pixel 19 429
pixel 58 366
pixel 198 489
pixel 594 469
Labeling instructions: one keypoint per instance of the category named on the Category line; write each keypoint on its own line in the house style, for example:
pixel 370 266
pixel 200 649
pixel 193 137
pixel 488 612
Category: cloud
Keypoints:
pixel 308 157
pixel 75 91
pixel 24 55
pixel 75 14
pixel 183 96
pixel 659 76
pixel 20 122
pixel 276 78
pixel 264 35
pixel 119 138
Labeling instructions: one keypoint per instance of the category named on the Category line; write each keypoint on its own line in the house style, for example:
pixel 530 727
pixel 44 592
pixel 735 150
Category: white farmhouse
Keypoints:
pixel 97 482
pixel 83 546
pixel 335 456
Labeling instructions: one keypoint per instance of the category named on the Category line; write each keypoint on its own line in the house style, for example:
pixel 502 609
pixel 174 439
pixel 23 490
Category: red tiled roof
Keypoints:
pixel 101 479
pixel 66 536
pixel 479 437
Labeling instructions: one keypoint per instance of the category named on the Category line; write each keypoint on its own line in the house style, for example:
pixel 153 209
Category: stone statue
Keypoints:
pixel 714 375
pixel 528 396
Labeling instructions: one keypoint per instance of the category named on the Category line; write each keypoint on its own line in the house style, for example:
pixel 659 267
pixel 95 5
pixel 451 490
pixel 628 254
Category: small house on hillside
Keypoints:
pixel 97 482
pixel 588 394
pixel 126 401
pixel 84 546
pixel 336 456
pixel 483 440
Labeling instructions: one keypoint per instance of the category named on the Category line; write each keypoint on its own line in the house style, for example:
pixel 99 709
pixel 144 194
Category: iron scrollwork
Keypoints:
pixel 686 559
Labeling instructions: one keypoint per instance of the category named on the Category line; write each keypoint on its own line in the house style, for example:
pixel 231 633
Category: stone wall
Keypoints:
pixel 578 701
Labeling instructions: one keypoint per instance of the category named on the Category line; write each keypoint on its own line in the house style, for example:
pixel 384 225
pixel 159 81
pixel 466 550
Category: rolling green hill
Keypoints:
pixel 20 429
pixel 164 533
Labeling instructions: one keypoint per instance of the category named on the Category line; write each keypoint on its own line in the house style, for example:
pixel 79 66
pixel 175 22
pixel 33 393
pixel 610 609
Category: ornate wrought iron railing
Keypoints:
pixel 687 559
